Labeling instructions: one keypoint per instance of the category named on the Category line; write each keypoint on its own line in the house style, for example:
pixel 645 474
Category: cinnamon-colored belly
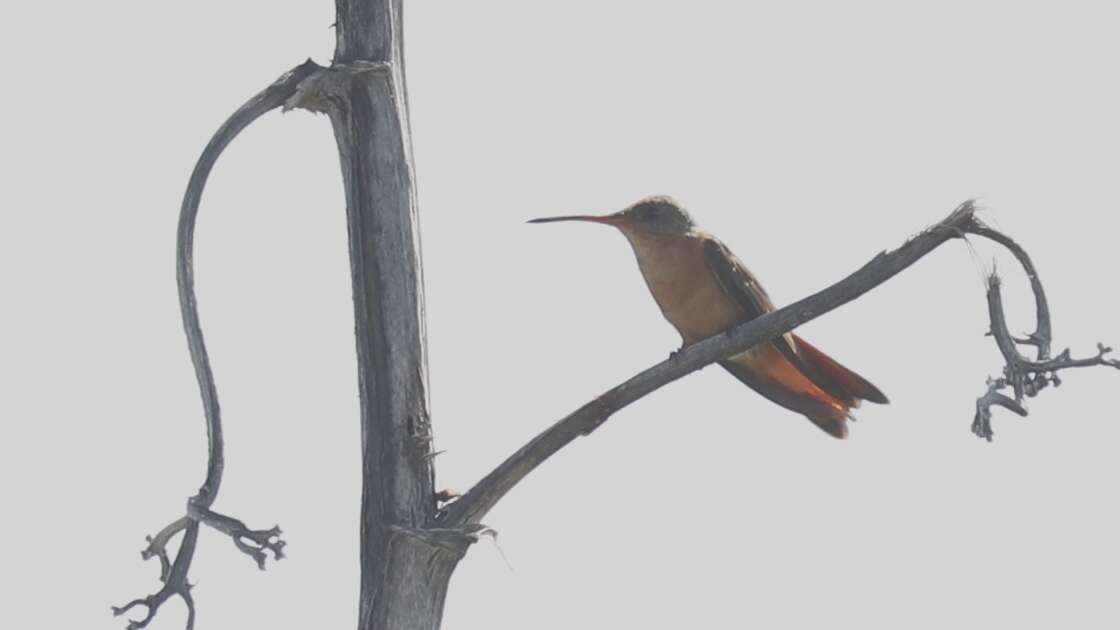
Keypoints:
pixel 688 293
pixel 692 299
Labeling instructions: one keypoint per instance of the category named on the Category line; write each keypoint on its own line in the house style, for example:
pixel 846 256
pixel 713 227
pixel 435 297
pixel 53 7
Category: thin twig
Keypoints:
pixel 157 545
pixel 1042 336
pixel 174 583
pixel 1025 377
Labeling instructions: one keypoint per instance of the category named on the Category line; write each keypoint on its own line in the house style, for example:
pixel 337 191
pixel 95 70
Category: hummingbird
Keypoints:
pixel 703 289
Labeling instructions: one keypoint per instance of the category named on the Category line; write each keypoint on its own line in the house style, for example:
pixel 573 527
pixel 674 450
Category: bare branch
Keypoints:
pixel 267 100
pixel 174 583
pixel 473 505
pixel 1025 376
pixel 1042 336
pixel 174 574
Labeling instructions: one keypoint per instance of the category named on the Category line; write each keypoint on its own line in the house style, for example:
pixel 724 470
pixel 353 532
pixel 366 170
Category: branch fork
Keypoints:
pixel 173 575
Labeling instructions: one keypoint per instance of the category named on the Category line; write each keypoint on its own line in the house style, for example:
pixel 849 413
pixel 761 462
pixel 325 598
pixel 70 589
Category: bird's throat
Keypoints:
pixel 677 273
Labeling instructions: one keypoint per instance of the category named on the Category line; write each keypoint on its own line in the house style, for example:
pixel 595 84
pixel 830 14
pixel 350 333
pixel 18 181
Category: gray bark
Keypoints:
pixel 405 569
pixel 365 104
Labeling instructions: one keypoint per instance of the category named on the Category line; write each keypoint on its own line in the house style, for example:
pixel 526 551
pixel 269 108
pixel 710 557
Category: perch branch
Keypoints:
pixel 473 506
pixel 253 542
pixel 477 501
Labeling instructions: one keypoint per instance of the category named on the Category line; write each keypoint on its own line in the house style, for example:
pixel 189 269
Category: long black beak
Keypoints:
pixel 608 219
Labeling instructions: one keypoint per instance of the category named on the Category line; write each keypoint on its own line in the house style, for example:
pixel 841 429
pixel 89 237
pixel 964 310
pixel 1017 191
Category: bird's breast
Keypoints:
pixel 687 291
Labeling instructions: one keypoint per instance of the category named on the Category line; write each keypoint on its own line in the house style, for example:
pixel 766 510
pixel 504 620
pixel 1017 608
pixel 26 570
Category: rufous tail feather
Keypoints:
pixel 836 379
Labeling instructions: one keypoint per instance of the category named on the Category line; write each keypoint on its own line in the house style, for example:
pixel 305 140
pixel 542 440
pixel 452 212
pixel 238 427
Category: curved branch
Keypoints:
pixel 1025 377
pixel 473 505
pixel 1017 362
pixel 1042 336
pixel 265 101
pixel 174 574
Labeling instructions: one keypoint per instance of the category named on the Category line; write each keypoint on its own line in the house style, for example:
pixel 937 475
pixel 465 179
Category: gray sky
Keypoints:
pixel 807 135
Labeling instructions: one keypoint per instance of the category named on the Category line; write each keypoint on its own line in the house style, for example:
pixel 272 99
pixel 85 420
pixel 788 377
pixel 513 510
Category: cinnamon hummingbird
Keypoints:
pixel 703 290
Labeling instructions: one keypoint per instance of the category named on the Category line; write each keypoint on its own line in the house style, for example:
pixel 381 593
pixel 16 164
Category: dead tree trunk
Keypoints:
pixel 404 570
pixel 410 544
pixel 405 567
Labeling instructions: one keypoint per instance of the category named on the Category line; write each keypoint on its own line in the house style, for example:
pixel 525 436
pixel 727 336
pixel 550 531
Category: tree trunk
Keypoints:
pixel 405 568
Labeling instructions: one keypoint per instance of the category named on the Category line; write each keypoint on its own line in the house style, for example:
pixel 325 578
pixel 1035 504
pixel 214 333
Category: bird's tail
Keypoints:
pixel 806 381
pixel 834 378
pixel 783 383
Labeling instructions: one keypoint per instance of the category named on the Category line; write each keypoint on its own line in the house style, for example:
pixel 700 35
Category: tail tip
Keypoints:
pixel 873 395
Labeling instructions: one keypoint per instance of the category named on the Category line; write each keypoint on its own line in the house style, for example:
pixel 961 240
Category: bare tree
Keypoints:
pixel 412 537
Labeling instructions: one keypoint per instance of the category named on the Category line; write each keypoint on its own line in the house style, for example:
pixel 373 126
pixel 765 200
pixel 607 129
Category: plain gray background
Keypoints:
pixel 807 135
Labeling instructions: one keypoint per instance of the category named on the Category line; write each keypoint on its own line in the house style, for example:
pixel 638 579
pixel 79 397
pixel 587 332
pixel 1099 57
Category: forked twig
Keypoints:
pixel 1025 377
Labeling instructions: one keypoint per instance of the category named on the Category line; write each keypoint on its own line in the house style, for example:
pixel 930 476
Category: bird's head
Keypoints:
pixel 659 215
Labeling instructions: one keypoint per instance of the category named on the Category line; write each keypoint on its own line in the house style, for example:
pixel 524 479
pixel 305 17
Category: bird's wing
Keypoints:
pixel 739 283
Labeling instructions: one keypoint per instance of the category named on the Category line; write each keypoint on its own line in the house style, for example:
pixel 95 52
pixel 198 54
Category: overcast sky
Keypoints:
pixel 807 135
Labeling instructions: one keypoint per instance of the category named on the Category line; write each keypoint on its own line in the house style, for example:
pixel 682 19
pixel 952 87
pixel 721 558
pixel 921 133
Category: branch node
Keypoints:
pixel 157 546
pixel 317 92
pixel 451 539
pixel 174 577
